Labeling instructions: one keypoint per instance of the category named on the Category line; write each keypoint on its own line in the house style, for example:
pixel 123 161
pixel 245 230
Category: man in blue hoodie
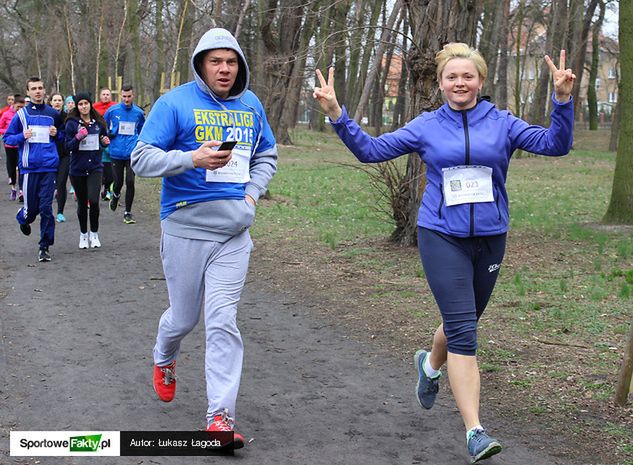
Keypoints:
pixel 34 130
pixel 125 122
pixel 208 203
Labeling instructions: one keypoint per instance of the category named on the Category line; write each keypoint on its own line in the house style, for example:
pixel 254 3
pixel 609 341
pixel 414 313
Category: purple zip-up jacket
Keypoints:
pixel 444 138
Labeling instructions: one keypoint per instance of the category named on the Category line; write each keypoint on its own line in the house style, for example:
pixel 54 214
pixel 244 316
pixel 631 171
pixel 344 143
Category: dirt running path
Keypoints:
pixel 76 338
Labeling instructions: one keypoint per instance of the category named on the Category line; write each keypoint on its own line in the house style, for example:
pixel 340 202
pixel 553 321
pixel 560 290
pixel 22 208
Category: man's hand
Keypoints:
pixel 52 131
pixel 28 133
pixel 250 199
pixel 207 158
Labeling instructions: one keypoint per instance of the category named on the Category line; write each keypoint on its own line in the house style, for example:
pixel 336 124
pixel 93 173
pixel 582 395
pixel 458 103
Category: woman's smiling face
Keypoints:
pixel 461 83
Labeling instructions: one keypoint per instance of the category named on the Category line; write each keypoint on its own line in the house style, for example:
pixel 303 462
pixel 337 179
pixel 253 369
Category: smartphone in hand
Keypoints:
pixel 227 145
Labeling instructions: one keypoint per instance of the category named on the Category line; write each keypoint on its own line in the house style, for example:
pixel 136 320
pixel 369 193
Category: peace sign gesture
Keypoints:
pixel 326 95
pixel 563 78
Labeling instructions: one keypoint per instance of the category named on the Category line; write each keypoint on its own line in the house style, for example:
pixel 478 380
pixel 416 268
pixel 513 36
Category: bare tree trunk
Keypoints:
pixel 517 69
pixel 615 128
pixel 159 54
pixel 238 27
pixel 490 41
pixel 626 372
pixel 580 39
pixel 117 55
pixel 354 55
pixel 182 58
pixel 555 37
pixel 384 38
pixel 98 60
pixel 592 100
pixel 399 108
pixel 71 50
pixel 358 81
pixel 501 89
pixel 323 59
pixel 282 45
pixel 620 210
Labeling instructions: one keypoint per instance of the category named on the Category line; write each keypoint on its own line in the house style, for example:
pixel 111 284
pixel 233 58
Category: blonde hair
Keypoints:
pixel 460 50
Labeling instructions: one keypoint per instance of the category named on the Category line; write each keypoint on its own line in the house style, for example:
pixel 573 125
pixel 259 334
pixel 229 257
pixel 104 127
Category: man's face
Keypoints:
pixel 219 70
pixel 10 100
pixel 36 91
pixel 17 106
pixel 105 96
pixel 127 97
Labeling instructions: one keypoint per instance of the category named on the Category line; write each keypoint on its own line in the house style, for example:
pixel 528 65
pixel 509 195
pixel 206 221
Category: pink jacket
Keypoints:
pixel 5 120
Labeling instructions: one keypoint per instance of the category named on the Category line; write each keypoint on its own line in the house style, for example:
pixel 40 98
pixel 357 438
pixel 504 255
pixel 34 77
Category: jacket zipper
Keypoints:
pixel 467 141
pixel 439 210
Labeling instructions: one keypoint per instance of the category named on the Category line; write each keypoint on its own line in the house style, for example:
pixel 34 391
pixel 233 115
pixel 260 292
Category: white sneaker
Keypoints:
pixel 94 240
pixel 83 240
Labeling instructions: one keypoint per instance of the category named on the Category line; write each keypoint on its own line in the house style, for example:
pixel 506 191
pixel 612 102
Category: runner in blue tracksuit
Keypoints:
pixel 207 205
pixel 466 145
pixel 125 122
pixel 34 129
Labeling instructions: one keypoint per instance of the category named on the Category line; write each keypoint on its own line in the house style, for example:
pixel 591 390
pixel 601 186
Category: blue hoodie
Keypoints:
pixel 35 157
pixel 197 204
pixel 121 145
pixel 446 138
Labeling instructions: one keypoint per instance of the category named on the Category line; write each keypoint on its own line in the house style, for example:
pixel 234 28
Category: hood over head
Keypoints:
pixel 221 38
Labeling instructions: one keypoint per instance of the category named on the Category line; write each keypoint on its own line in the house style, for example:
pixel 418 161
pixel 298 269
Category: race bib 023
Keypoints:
pixel 467 184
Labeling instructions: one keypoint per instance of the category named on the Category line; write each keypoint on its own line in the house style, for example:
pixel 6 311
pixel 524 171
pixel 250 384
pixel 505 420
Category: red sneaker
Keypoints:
pixel 165 381
pixel 223 422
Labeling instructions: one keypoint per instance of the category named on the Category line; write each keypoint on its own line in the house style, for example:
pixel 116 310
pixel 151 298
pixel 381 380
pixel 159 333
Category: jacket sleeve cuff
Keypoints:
pixel 342 118
pixel 556 102
pixel 253 190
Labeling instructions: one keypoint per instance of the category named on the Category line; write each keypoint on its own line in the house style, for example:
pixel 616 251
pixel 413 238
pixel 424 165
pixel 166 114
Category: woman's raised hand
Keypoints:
pixel 563 78
pixel 326 96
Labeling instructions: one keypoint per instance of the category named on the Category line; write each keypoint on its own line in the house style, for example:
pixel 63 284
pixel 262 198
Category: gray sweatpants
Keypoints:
pixel 210 275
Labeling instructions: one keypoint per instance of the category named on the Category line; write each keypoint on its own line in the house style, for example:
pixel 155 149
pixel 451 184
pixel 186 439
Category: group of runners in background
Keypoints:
pixel 51 139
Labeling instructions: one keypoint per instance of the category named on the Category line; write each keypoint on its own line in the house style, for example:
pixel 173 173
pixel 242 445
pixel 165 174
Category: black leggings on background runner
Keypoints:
pixel 461 273
pixel 12 163
pixel 87 189
pixel 62 178
pixel 118 166
pixel 108 178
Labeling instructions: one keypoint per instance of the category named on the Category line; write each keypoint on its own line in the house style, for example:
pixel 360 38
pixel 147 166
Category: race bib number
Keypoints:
pixel 467 184
pixel 90 142
pixel 236 170
pixel 127 128
pixel 41 135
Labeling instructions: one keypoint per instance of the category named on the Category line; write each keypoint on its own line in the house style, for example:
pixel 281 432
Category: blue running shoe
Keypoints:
pixel 61 218
pixel 481 446
pixel 426 389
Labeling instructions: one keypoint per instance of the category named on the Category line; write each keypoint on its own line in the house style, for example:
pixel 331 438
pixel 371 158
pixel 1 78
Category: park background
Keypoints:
pixel 554 343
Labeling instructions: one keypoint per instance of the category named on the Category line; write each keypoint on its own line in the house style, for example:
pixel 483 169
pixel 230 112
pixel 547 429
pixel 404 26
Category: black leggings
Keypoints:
pixel 461 273
pixel 118 166
pixel 62 178
pixel 12 163
pixel 107 175
pixel 87 189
